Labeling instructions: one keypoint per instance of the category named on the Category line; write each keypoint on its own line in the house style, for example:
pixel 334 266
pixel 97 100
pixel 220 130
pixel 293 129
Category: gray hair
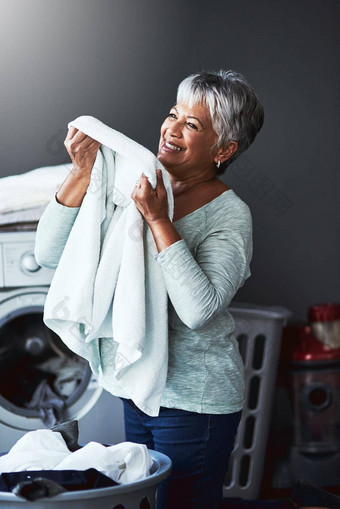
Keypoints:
pixel 235 110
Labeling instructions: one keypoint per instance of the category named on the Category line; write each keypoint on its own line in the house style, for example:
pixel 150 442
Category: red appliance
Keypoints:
pixel 312 374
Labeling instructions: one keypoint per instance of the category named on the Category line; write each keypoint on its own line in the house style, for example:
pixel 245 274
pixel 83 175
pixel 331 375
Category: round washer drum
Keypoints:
pixel 25 342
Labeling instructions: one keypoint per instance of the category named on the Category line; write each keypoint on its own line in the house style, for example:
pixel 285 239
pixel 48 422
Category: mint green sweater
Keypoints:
pixel 202 273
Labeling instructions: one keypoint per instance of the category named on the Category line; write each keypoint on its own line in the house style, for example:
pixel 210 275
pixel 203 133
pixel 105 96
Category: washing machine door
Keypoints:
pixel 35 365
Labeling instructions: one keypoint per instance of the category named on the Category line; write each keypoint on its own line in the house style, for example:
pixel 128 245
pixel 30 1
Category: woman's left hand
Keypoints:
pixel 151 203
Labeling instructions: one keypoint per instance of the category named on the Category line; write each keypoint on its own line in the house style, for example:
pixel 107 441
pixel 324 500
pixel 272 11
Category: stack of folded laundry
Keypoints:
pixel 23 198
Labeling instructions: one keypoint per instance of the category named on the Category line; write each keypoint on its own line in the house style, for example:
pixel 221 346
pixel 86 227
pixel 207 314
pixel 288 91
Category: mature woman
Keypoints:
pixel 204 255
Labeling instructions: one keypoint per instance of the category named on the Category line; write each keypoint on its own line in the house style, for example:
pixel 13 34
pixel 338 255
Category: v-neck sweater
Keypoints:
pixel 202 273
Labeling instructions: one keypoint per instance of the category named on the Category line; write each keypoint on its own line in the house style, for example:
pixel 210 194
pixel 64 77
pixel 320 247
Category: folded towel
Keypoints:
pixel 108 283
pixel 46 450
pixel 34 188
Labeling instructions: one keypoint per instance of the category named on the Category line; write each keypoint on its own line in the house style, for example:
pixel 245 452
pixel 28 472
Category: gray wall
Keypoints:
pixel 121 61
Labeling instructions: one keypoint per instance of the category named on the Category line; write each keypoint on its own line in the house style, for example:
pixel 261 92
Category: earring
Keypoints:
pixel 218 164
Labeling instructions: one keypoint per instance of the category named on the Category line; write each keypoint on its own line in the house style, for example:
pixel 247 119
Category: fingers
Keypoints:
pixel 159 175
pixel 77 141
pixel 151 202
pixel 91 143
pixel 142 184
pixel 160 187
pixel 76 136
pixel 82 149
pixel 144 180
pixel 71 132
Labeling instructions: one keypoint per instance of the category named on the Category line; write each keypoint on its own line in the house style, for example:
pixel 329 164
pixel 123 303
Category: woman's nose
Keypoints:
pixel 175 128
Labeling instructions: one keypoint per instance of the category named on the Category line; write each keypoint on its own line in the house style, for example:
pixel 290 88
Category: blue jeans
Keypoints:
pixel 199 446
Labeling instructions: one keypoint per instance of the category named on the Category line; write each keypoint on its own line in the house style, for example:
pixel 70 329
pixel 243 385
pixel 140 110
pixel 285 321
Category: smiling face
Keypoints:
pixel 187 140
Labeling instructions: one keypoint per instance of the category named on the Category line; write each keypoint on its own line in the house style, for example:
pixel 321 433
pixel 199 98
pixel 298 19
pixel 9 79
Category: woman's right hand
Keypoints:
pixel 82 150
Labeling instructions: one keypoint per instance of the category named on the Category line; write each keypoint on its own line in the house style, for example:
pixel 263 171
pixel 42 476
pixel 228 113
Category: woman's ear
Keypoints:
pixel 226 151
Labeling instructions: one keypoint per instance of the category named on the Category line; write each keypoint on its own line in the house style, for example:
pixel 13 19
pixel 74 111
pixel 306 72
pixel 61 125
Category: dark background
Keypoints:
pixel 121 61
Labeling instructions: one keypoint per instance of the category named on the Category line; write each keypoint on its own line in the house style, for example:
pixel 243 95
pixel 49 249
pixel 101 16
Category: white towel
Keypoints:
pixel 44 449
pixel 31 189
pixel 108 283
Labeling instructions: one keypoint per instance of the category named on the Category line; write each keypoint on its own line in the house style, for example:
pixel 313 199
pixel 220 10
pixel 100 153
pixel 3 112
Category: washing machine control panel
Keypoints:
pixel 18 266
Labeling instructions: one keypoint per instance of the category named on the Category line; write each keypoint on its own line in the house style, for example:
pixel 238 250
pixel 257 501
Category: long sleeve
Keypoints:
pixel 52 233
pixel 200 287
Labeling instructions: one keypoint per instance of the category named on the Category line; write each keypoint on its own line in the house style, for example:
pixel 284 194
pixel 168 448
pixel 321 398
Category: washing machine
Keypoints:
pixel 35 362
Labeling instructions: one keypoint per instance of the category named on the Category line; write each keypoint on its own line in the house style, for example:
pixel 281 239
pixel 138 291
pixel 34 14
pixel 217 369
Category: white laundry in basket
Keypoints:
pixel 46 450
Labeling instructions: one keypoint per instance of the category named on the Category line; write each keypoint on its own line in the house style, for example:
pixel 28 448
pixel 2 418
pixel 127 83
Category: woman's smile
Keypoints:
pixel 171 147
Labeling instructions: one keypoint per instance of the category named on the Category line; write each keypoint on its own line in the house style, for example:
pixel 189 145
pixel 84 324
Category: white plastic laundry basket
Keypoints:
pixel 258 330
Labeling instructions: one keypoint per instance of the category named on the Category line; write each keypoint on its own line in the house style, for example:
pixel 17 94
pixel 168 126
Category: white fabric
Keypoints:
pixel 124 463
pixel 108 283
pixel 46 450
pixel 17 217
pixel 31 189
pixel 36 450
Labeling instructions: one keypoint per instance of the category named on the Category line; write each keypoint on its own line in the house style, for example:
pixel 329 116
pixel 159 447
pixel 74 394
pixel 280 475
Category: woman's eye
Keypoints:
pixel 172 115
pixel 192 126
